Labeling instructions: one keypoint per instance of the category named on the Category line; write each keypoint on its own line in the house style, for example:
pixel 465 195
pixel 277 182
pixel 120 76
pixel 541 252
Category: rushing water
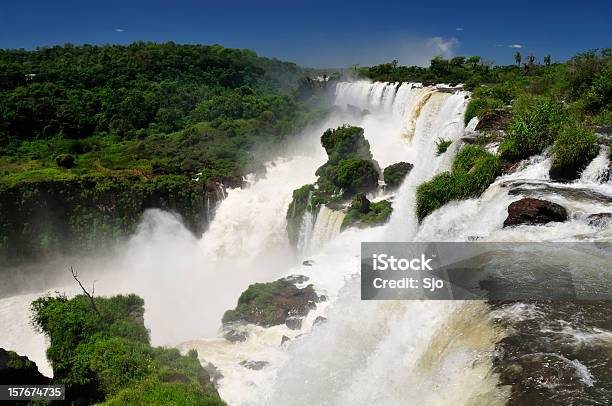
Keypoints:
pixel 391 353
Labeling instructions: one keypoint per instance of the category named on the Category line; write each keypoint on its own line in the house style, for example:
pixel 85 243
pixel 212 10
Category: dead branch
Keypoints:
pixel 90 296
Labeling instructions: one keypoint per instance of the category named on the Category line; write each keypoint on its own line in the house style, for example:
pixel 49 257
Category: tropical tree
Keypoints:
pixel 547 60
pixel 517 58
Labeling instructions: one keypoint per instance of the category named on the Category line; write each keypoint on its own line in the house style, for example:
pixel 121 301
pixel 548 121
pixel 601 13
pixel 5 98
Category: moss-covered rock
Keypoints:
pixel 273 303
pixel 363 213
pixel 473 170
pixel 394 174
pixel 574 148
pixel 345 142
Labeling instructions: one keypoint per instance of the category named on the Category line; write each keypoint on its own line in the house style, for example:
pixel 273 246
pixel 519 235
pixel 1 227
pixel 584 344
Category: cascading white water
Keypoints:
pixel 367 352
pixel 393 342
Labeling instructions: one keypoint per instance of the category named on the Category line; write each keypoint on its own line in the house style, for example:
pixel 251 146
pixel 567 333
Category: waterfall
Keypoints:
pixel 390 352
pixel 599 168
pixel 327 226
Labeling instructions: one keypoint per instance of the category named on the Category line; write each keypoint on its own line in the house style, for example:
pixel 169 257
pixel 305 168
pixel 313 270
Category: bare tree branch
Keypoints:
pixel 90 296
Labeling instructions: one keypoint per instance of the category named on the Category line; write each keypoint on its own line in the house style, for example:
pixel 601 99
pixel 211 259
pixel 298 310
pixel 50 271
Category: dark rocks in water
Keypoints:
pixel 395 174
pixel 541 189
pixel 274 303
pixel 16 369
pixel 254 365
pixel 360 203
pixel 297 278
pixel 308 262
pixel 468 140
pixel 294 323
pixel 236 336
pixel 494 120
pixel 319 320
pixel 534 211
pixel 284 339
pixel 599 219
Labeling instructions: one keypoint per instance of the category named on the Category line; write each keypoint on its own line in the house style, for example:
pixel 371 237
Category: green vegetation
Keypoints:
pixel 574 148
pixel 363 213
pixel 101 352
pixel 132 115
pixel 474 169
pixel 442 146
pixel 535 124
pixel 349 169
pixel 271 303
pixel 394 174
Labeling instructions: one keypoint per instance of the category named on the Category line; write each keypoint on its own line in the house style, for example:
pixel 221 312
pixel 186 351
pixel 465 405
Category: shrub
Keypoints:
pixel 574 148
pixel 442 145
pixel 345 142
pixel 363 213
pixel 104 351
pixel 395 174
pixel 353 175
pixel 534 126
pixel 474 169
pixel 478 106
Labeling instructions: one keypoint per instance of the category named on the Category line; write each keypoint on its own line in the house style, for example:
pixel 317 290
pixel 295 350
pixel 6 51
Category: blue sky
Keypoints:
pixel 322 33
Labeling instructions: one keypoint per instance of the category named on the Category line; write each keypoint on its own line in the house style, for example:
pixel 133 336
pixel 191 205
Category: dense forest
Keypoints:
pixel 90 136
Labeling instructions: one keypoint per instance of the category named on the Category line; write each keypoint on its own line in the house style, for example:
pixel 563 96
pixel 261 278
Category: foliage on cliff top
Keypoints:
pixel 143 108
pixel 103 352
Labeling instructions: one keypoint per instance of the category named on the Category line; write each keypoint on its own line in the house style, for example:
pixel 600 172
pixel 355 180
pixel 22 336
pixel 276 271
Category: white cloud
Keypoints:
pixel 119 30
pixel 459 29
pixel 442 46
pixel 517 46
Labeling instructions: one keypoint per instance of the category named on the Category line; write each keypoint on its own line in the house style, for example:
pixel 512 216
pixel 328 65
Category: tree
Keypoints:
pixel 517 58
pixel 531 59
pixel 394 63
pixel 547 60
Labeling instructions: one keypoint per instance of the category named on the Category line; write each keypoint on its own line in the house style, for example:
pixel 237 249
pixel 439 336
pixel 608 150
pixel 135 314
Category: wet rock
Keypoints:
pixel 599 219
pixel 494 120
pixel 297 279
pixel 17 369
pixel 236 336
pixel 319 320
pixel 284 339
pixel 294 323
pixel 360 203
pixel 468 140
pixel 308 262
pixel 254 365
pixel 273 303
pixel 543 189
pixel 534 211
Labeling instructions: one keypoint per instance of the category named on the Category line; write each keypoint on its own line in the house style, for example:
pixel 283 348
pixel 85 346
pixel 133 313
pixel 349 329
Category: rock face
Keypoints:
pixel 16 369
pixel 599 219
pixel 274 303
pixel 534 211
pixel 494 120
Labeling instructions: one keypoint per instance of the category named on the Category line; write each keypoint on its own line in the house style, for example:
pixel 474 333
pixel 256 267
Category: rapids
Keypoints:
pixel 390 352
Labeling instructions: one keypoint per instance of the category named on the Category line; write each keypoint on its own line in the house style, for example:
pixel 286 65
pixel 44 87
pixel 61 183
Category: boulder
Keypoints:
pixel 395 174
pixel 534 211
pixel 254 365
pixel 319 320
pixel 284 339
pixel 236 336
pixel 16 369
pixel 599 220
pixel 494 120
pixel 274 303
